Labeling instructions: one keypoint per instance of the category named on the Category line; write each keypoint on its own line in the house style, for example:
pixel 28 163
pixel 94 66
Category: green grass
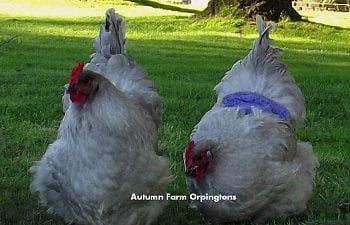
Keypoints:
pixel 186 58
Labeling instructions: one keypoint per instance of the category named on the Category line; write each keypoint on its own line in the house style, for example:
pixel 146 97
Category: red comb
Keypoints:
pixel 188 154
pixel 75 72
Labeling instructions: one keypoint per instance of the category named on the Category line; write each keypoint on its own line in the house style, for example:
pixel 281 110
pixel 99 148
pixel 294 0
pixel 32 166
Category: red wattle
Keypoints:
pixel 77 97
pixel 199 173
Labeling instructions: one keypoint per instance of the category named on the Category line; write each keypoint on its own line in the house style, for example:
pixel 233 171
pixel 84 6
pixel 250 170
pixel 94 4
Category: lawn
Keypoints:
pixel 185 57
pixel 340 19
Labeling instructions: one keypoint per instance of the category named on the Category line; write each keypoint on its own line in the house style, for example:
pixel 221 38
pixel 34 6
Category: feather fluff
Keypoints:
pixel 106 147
pixel 255 156
pixel 111 61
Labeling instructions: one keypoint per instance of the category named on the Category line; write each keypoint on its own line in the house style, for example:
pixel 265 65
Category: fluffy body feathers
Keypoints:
pixel 105 148
pixel 255 156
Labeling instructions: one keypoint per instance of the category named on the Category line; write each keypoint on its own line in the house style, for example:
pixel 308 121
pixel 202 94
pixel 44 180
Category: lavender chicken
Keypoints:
pixel 246 144
pixel 105 150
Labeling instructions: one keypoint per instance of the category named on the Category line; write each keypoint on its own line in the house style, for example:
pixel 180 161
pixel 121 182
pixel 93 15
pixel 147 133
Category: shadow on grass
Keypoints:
pixel 164 6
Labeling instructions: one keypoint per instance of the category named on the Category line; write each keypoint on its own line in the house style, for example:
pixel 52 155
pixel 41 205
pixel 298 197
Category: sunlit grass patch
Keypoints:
pixel 87 8
pixel 340 19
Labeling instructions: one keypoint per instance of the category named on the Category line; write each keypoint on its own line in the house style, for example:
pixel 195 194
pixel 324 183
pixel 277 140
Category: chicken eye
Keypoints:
pixel 87 81
pixel 198 158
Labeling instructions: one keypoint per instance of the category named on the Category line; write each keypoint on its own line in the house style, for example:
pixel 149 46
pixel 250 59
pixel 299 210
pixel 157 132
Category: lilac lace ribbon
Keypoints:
pixel 245 100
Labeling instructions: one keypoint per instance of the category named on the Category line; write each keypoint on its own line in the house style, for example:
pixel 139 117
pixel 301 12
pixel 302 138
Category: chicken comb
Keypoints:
pixel 77 69
pixel 188 153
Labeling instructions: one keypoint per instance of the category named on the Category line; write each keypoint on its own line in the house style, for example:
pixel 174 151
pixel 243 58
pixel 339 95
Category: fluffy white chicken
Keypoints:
pixel 105 149
pixel 246 144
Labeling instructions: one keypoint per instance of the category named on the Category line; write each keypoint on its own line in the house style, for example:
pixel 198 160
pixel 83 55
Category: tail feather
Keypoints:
pixel 110 60
pixel 262 72
pixel 116 25
pixel 111 37
pixel 263 29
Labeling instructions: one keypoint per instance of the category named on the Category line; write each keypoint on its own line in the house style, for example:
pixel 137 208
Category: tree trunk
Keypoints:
pixel 270 9
pixel 289 10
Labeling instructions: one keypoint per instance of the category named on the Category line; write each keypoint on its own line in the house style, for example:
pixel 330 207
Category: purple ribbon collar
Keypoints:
pixel 245 100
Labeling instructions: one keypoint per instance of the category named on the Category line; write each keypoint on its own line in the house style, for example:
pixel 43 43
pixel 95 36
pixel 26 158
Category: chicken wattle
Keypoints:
pixel 105 150
pixel 246 145
pixel 110 60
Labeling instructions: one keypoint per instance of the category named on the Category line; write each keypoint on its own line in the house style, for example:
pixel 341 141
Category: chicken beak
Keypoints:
pixel 71 88
pixel 190 170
